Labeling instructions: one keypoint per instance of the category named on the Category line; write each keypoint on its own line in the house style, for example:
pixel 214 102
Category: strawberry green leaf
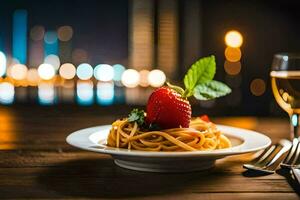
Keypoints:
pixel 211 90
pixel 176 88
pixel 200 72
pixel 137 116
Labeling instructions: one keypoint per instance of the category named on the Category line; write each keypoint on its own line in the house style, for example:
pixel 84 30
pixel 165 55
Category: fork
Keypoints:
pixel 266 162
pixel 292 158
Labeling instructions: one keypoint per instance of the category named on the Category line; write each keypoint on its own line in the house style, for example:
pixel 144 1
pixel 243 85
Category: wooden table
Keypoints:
pixel 36 162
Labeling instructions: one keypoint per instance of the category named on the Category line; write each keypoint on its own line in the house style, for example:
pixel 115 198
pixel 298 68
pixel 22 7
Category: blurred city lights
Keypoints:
pixel 35 53
pixel 295 120
pixel 118 71
pixel 105 93
pixel 7 93
pixel 257 87
pixel 37 33
pixel 50 37
pixel 67 92
pixel 67 71
pixel 232 68
pixel 233 54
pixel 46 93
pixel 104 72
pixel 19 39
pixel 130 78
pixel 52 60
pixel 18 71
pixel 144 78
pixel 79 56
pixel 233 39
pixel 85 93
pixel 65 33
pixel 32 76
pixel 10 63
pixel 51 43
pixel 13 61
pixel 156 78
pixel 2 64
pixel 46 71
pixel 84 71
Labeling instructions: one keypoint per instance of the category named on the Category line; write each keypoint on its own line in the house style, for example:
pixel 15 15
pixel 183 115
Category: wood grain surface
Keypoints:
pixel 37 163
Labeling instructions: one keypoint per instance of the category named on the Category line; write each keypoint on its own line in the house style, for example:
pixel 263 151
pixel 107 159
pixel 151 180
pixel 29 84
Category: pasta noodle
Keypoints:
pixel 200 135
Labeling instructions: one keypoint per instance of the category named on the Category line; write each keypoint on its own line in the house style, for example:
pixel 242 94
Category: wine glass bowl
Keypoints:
pixel 285 81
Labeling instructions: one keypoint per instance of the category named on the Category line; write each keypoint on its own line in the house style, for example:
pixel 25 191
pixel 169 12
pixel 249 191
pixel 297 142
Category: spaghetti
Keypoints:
pixel 200 135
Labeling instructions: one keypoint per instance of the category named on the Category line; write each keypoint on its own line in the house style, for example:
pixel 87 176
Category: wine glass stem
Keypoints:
pixel 295 129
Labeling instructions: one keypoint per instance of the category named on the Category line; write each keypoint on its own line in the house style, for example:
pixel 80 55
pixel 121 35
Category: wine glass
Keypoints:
pixel 285 79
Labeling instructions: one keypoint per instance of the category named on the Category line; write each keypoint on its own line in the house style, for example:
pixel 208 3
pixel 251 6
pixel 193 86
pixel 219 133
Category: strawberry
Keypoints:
pixel 167 109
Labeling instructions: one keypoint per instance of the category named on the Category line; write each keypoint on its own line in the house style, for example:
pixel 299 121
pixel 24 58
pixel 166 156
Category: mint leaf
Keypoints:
pixel 200 72
pixel 137 116
pixel 210 90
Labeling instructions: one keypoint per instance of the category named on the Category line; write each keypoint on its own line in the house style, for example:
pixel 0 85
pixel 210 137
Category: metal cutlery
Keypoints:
pixel 269 159
pixel 292 158
pixel 296 173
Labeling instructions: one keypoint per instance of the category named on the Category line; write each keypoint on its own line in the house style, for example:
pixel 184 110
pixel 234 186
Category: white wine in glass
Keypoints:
pixel 285 80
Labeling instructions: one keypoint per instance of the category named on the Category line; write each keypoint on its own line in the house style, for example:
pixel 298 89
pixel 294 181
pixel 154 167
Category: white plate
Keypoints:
pixel 94 139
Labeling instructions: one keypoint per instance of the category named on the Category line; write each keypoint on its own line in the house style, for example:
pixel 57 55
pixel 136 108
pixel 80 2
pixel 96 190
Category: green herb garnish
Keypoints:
pixel 199 82
pixel 137 116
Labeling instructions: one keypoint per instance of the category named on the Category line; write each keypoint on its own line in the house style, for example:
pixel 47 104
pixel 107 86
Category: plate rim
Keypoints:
pixel 81 140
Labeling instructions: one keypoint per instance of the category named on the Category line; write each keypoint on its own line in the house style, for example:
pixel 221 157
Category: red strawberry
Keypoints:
pixel 168 109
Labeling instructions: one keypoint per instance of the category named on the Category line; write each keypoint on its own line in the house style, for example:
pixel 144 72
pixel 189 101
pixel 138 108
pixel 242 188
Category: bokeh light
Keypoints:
pixel 7 93
pixel 257 87
pixel 104 72
pixel 2 64
pixel 50 37
pixel 105 93
pixel 79 56
pixel 144 78
pixel 52 60
pixel 232 68
pixel 84 71
pixel 46 93
pixel 37 33
pixel 233 39
pixel 118 71
pixel 46 71
pixel 10 63
pixel 67 71
pixel 18 71
pixel 156 78
pixel 295 120
pixel 130 78
pixel 65 33
pixel 85 92
pixel 32 76
pixel 233 54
